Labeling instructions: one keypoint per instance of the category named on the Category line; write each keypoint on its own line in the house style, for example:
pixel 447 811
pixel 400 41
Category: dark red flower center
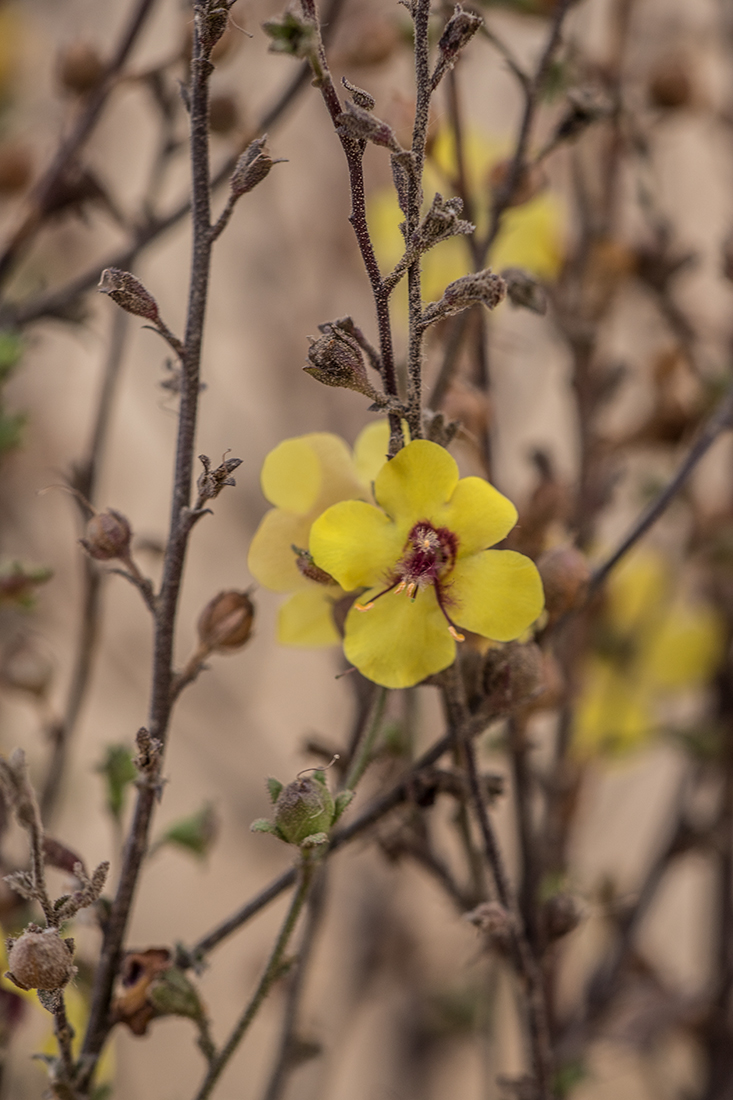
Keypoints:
pixel 427 559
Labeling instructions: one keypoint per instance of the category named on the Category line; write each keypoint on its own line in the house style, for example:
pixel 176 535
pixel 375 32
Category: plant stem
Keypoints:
pixel 272 972
pixel 180 526
pixel 364 751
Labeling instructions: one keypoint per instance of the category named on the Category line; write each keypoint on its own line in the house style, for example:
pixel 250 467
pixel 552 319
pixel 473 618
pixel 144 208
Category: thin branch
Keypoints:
pixel 54 303
pixel 85 481
pixel 721 420
pixel 285 1062
pixel 42 194
pixel 363 754
pixel 180 527
pixel 527 965
pixel 272 972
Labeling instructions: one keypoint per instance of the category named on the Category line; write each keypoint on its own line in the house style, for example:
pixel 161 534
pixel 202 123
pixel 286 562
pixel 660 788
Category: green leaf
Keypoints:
pixel 315 840
pixel 195 834
pixel 11 430
pixel 118 771
pixel 274 786
pixel 262 825
pixel 18 582
pixel 341 801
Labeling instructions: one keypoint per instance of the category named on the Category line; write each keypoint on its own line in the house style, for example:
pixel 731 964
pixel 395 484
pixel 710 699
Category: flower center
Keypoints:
pixel 427 560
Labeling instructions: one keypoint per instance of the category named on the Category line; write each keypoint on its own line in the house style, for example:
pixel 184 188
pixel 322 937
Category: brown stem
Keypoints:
pixel 180 527
pixel 42 195
pixel 525 961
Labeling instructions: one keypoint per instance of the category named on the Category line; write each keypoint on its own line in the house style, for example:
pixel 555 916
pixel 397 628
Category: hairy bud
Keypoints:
pixel 129 293
pixel 360 97
pixel 226 621
pixel 497 923
pixel 212 24
pixel 359 124
pixel 336 360
pixel 458 32
pixel 107 536
pixel 482 287
pixel 40 960
pixel 304 808
pixel 442 221
pixel 252 167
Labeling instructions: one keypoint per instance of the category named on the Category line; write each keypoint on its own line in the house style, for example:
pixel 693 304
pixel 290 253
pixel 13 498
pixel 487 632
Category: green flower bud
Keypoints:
pixel 303 808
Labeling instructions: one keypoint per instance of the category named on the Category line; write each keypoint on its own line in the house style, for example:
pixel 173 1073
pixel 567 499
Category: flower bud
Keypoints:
pixel 291 34
pixel 336 360
pixel 360 125
pixel 40 960
pixel 560 914
pixel 497 923
pixel 129 293
pixel 360 97
pixel 458 32
pixel 80 68
pixel 512 675
pixel 469 290
pixel 565 574
pixel 252 167
pixel 226 621
pixel 303 808
pixel 107 536
pixel 441 222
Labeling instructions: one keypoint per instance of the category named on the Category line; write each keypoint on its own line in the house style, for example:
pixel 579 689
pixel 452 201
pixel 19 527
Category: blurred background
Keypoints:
pixel 579 414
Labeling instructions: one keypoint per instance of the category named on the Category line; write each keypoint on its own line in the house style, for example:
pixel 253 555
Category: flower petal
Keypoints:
pixel 271 560
pixel 291 475
pixel 370 450
pixel 398 641
pixel 497 593
pixel 356 543
pixel 306 619
pixel 416 482
pixel 478 513
pixel 308 472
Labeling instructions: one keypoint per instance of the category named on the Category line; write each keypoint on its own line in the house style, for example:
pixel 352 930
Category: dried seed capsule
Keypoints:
pixel 40 960
pixel 107 536
pixel 565 574
pixel 129 293
pixel 226 621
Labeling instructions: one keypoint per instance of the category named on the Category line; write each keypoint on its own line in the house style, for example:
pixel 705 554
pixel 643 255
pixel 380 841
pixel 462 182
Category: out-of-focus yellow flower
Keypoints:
pixel 421 555
pixel 650 645
pixel 530 235
pixel 11 40
pixel 302 477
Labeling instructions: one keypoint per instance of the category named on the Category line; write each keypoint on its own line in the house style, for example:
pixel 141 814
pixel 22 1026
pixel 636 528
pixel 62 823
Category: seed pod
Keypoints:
pixel 129 293
pixel 40 960
pixel 226 621
pixel 80 68
pixel 303 808
pixel 511 675
pixel 107 536
pixel 252 167
pixel 560 914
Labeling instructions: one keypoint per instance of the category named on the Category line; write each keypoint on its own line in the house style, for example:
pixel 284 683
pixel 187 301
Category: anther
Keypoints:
pixel 458 637
pixel 364 607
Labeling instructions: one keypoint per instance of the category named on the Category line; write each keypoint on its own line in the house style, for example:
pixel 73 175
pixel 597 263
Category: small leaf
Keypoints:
pixel 262 825
pixel 274 786
pixel 341 801
pixel 11 349
pixel 195 834
pixel 118 771
pixel 315 840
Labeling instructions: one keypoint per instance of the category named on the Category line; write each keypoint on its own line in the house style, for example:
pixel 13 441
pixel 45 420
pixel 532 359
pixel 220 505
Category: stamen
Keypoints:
pixel 411 591
pixel 458 637
pixel 364 607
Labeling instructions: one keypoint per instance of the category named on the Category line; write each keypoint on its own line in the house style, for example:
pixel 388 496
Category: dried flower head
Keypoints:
pixel 41 959
pixel 129 293
pixel 226 622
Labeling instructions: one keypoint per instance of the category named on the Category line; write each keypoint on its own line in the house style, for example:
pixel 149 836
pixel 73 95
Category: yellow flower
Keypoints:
pixel 422 557
pixel 649 646
pixel 302 477
pixel 530 236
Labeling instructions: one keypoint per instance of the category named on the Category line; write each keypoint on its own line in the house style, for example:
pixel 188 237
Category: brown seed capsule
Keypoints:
pixel 670 85
pixel 107 536
pixel 40 960
pixel 80 68
pixel 565 575
pixel 560 914
pixel 226 621
pixel 129 293
pixel 512 674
